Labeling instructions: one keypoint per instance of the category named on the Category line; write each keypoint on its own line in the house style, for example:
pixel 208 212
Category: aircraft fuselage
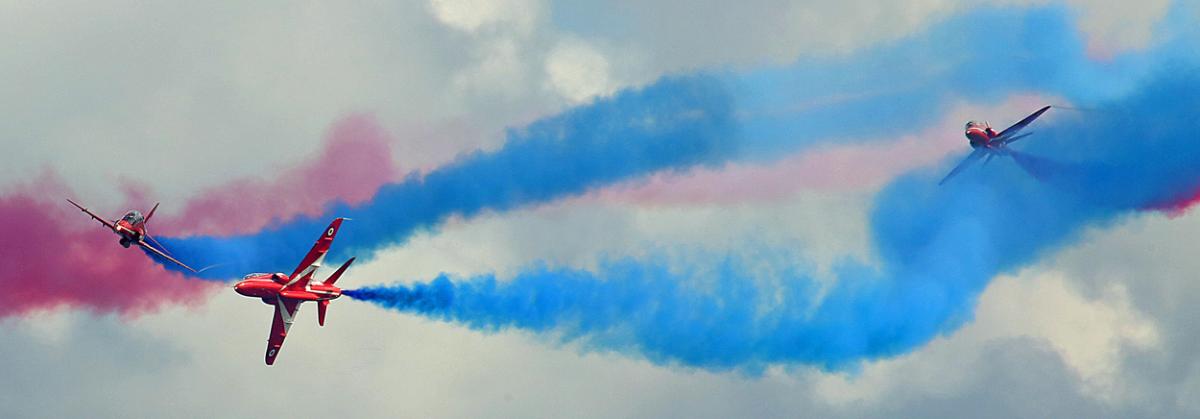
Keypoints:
pixel 271 286
pixel 129 232
pixel 979 137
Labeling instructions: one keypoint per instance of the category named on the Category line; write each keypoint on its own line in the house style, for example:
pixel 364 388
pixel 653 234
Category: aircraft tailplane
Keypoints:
pixel 324 304
pixel 338 273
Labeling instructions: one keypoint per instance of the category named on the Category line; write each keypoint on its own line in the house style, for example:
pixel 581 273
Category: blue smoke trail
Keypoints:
pixel 937 247
pixel 680 122
pixel 892 88
pixel 675 123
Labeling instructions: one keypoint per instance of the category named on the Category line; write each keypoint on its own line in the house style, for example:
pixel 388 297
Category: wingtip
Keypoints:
pixel 209 267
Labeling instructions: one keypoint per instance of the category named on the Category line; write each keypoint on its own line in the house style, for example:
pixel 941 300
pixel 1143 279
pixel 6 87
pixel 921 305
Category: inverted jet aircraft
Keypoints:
pixel 132 229
pixel 286 292
pixel 987 143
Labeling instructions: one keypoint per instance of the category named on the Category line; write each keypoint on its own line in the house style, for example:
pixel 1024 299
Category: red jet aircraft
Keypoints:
pixel 286 292
pixel 987 142
pixel 132 229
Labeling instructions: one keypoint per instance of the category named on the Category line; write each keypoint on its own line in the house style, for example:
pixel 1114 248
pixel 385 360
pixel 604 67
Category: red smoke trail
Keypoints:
pixel 355 161
pixel 1179 207
pixel 52 257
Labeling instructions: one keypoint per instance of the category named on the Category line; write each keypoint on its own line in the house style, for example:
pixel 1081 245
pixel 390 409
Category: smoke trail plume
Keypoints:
pixel 937 248
pixel 1178 206
pixel 54 258
pixel 679 123
pixel 58 258
pixel 355 160
pixel 675 123
pixel 862 165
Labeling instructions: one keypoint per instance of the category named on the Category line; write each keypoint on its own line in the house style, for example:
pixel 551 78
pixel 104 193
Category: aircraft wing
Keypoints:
pixel 304 272
pixel 1017 127
pixel 967 162
pixel 106 223
pixel 163 254
pixel 285 313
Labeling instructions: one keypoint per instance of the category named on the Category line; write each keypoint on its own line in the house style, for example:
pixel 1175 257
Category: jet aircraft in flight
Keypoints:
pixel 285 292
pixel 132 229
pixel 987 143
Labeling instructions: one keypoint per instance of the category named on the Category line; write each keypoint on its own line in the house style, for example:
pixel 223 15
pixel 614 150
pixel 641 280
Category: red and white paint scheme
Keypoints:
pixel 979 134
pixel 286 292
pixel 132 229
pixel 986 142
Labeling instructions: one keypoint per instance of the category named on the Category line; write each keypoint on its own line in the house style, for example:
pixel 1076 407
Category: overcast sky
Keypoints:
pixel 182 96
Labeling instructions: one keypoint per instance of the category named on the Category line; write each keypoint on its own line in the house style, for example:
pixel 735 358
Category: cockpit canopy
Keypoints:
pixel 278 276
pixel 133 217
pixel 977 124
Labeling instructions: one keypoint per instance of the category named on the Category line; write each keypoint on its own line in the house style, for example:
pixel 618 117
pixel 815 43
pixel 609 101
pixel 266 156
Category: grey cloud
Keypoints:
pixel 191 94
pixel 1016 378
pixel 682 35
pixel 1154 258
pixel 99 369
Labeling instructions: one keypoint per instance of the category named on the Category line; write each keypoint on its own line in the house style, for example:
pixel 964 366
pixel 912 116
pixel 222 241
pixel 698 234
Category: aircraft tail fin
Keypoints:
pixel 321 307
pixel 151 213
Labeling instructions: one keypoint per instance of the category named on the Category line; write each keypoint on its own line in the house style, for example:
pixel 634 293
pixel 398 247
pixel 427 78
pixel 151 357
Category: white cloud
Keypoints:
pixel 500 69
pixel 667 36
pixel 670 36
pixel 242 89
pixel 475 15
pixel 1113 27
pixel 1090 335
pixel 578 71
